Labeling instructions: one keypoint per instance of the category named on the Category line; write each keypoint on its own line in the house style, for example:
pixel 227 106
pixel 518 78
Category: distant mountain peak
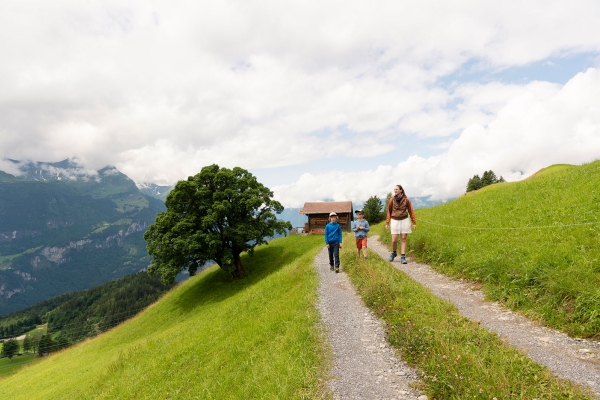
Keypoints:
pixel 66 170
pixel 154 190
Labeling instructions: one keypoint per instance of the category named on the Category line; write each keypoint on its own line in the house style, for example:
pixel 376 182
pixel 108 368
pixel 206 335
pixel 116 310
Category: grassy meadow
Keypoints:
pixel 210 338
pixel 457 358
pixel 7 366
pixel 534 245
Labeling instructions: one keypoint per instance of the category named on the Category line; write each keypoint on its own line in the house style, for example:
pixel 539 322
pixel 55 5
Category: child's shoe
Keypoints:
pixel 331 267
pixel 393 255
pixel 337 269
pixel 403 259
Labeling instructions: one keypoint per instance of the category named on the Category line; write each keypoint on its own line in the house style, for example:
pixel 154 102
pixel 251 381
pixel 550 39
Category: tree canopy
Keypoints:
pixel 488 178
pixel 10 348
pixel 215 215
pixel 372 209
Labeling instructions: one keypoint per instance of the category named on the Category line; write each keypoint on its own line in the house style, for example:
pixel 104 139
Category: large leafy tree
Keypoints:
pixel 215 215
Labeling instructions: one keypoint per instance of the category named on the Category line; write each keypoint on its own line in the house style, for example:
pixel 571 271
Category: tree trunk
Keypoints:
pixel 238 272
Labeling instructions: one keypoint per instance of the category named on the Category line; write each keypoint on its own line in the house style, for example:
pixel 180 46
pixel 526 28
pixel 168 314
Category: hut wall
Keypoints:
pixel 317 222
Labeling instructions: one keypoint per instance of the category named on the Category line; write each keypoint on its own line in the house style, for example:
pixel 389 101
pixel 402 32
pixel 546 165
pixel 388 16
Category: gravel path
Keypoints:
pixel 365 366
pixel 575 359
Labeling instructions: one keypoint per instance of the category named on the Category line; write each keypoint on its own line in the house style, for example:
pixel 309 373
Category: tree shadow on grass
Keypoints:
pixel 215 285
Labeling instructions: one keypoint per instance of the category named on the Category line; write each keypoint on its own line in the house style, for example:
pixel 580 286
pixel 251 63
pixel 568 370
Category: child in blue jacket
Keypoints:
pixel 333 240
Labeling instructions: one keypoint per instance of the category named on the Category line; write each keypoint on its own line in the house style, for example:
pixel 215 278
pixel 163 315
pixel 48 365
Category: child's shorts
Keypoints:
pixel 398 227
pixel 361 242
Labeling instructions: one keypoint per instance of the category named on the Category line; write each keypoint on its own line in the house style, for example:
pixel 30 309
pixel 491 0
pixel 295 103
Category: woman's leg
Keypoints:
pixel 403 245
pixel 394 243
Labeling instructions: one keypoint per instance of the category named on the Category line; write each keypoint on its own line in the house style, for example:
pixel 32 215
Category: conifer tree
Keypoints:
pixel 474 183
pixel 488 178
pixel 10 348
pixel 28 343
pixel 372 209
pixel 46 345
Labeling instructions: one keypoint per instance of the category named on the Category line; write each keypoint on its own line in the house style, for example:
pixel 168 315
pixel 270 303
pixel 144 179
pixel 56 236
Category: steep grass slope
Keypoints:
pixel 534 244
pixel 208 338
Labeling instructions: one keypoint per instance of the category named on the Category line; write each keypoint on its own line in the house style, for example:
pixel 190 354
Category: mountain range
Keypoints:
pixel 64 228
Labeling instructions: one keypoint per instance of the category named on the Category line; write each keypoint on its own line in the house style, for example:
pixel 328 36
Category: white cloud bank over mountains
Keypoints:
pixel 407 90
pixel 540 124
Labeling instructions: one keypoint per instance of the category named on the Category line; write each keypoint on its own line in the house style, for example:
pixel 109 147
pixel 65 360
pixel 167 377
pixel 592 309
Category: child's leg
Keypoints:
pixel 336 253
pixel 330 251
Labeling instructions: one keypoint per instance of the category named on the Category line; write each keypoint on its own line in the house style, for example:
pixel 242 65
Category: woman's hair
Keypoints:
pixel 400 187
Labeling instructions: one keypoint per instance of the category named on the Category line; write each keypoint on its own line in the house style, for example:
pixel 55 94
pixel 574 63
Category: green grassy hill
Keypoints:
pixel 208 338
pixel 534 244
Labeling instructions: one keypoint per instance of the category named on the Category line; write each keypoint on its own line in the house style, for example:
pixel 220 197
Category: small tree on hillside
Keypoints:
pixel 46 345
pixel 215 215
pixel 474 183
pixel 488 178
pixel 27 343
pixel 10 348
pixel 372 209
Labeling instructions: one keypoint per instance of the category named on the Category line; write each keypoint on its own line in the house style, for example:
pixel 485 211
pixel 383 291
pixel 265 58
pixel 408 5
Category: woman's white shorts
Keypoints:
pixel 398 227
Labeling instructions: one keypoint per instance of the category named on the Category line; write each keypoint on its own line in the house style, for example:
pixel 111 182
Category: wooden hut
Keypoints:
pixel 318 215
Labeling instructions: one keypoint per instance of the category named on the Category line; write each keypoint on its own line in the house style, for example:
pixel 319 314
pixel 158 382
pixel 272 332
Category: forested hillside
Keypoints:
pixel 63 229
pixel 74 316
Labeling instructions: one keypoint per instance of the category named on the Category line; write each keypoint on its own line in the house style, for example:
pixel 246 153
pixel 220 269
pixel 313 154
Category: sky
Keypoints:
pixel 320 100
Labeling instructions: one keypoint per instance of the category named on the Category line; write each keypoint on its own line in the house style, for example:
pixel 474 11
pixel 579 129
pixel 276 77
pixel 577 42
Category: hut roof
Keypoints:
pixel 325 207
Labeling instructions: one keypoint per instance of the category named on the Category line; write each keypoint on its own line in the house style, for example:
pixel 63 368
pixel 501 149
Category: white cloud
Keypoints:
pixel 540 124
pixel 160 89
pixel 9 167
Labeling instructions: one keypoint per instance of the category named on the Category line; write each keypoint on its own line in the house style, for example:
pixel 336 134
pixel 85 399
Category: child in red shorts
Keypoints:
pixel 361 228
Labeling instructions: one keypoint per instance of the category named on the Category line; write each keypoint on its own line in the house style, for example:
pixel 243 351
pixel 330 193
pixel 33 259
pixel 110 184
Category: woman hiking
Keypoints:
pixel 399 210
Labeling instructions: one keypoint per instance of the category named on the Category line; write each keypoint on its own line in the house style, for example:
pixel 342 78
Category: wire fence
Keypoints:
pixel 511 228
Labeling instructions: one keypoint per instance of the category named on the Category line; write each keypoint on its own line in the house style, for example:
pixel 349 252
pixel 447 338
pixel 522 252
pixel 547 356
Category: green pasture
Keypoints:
pixel 209 338
pixel 7 366
pixel 534 245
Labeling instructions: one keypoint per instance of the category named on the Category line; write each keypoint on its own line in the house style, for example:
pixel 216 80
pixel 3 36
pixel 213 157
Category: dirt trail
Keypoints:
pixel 365 366
pixel 575 359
